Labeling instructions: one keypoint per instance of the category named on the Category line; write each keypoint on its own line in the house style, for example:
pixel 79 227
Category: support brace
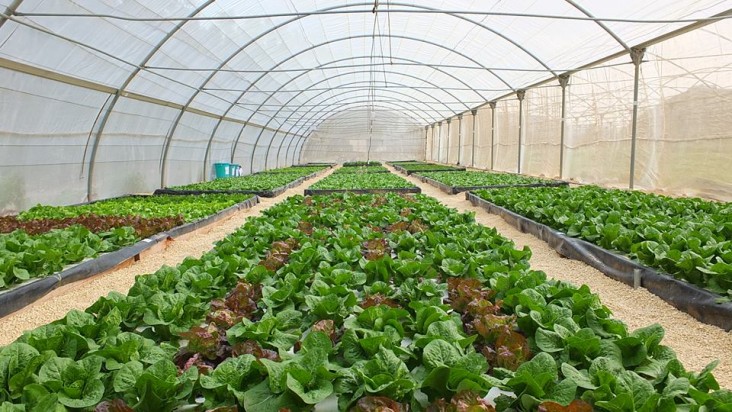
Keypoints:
pixel 563 83
pixel 636 55
pixel 447 156
pixel 521 94
pixel 460 137
pixel 473 112
pixel 439 141
pixel 493 133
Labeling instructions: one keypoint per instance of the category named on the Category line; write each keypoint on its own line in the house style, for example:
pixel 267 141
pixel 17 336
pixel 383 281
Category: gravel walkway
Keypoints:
pixel 695 343
pixel 82 294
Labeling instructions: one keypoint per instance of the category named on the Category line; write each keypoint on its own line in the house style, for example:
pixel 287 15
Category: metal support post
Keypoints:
pixel 426 136
pixel 474 112
pixel 563 82
pixel 636 55
pixel 493 133
pixel 460 136
pixel 520 94
pixel 439 141
pixel 447 155
pixel 434 145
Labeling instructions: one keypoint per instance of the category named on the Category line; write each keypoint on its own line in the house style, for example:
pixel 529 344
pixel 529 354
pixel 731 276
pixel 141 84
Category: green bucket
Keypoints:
pixel 222 170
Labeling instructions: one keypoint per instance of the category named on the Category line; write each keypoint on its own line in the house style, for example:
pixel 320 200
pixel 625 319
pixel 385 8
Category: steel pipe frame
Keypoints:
pixel 493 133
pixel 320 116
pixel 563 83
pixel 460 137
pixel 362 57
pixel 364 81
pixel 16 3
pixel 447 137
pixel 324 65
pixel 321 109
pixel 277 27
pixel 9 11
pixel 154 51
pixel 636 56
pixel 347 38
pixel 233 153
pixel 103 121
pixel 434 139
pixel 426 133
pixel 474 113
pixel 299 130
pixel 699 22
pixel 521 94
pixel 340 108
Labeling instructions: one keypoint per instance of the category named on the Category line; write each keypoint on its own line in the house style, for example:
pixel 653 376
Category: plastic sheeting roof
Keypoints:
pixel 290 64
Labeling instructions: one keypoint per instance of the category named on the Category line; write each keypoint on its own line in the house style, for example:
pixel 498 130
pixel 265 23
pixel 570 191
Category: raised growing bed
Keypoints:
pixel 274 192
pixel 361 163
pixel 453 190
pixel 23 294
pixel 328 165
pixel 697 302
pixel 313 192
pixel 361 169
pixel 427 168
pixel 362 183
pixel 370 302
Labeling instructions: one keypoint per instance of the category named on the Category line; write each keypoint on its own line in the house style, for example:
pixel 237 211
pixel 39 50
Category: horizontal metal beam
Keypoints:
pixel 697 24
pixel 89 85
pixel 370 11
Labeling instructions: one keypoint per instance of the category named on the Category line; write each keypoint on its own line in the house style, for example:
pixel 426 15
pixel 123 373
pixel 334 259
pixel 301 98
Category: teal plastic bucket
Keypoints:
pixel 234 169
pixel 222 170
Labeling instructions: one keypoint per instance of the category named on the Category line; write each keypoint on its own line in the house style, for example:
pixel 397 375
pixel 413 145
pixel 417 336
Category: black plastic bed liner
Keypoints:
pixel 30 291
pixel 697 302
pixel 453 190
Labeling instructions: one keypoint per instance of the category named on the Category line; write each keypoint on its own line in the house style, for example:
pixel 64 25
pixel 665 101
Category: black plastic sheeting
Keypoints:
pixel 453 190
pixel 697 302
pixel 262 193
pixel 316 192
pixel 24 294
pixel 437 168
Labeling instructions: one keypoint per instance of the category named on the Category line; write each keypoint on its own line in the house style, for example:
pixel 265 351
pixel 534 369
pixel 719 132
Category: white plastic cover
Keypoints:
pixel 257 82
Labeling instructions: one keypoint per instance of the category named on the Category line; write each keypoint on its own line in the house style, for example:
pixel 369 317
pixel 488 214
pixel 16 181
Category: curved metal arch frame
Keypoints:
pixel 599 23
pixel 324 65
pixel 323 116
pixel 330 42
pixel 105 117
pixel 277 27
pixel 336 108
pixel 345 39
pixel 251 160
pixel 279 149
pixel 416 111
pixel 415 115
pixel 321 112
pixel 181 23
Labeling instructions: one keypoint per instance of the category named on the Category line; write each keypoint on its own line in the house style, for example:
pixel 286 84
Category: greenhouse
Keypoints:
pixel 224 206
